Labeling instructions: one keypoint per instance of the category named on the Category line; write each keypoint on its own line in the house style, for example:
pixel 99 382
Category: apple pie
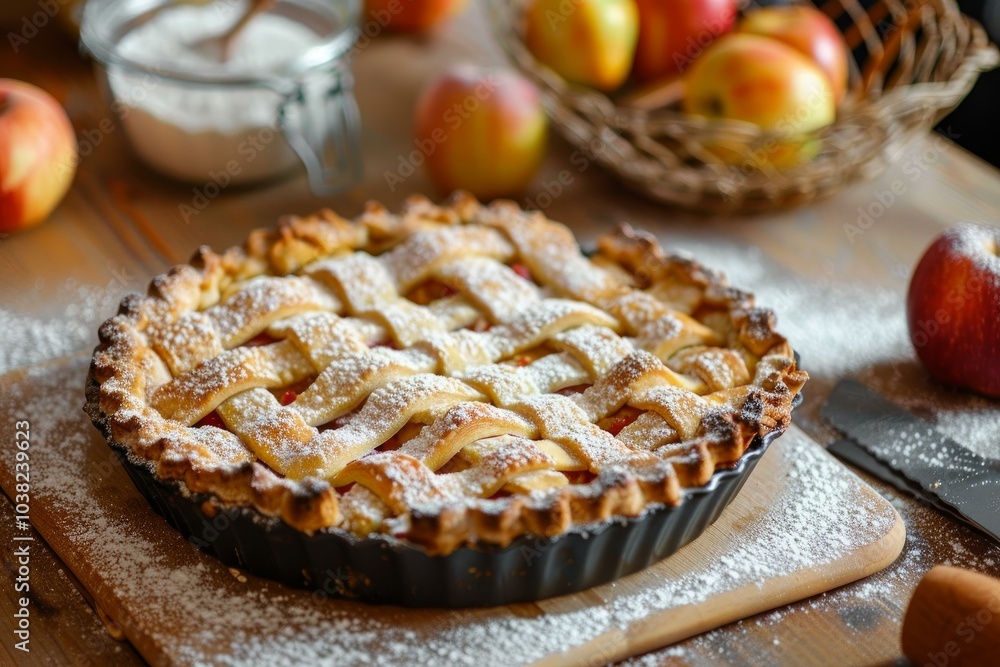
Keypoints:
pixel 446 377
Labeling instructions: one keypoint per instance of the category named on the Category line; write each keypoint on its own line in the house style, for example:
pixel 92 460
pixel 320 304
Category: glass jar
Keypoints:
pixel 232 123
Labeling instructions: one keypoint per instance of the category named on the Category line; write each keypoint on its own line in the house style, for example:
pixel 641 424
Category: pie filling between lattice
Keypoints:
pixel 447 375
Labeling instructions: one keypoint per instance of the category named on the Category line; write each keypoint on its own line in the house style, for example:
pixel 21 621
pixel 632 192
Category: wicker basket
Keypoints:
pixel 912 63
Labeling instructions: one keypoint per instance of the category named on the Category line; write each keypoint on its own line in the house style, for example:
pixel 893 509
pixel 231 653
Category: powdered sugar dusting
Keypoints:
pixel 783 539
pixel 931 539
pixel 852 329
pixel 25 339
pixel 201 611
pixel 980 242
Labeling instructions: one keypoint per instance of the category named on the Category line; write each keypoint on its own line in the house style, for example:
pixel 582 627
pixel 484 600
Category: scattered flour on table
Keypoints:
pixel 851 329
pixel 26 339
pixel 838 327
pixel 275 627
pixel 930 540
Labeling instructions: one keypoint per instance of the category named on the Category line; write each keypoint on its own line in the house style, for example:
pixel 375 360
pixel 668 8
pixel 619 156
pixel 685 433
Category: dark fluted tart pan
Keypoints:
pixel 383 569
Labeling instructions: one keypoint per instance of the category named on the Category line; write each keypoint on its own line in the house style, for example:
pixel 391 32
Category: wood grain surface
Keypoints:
pixel 121 224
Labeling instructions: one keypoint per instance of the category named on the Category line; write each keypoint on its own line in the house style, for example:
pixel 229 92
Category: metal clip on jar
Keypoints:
pixel 285 97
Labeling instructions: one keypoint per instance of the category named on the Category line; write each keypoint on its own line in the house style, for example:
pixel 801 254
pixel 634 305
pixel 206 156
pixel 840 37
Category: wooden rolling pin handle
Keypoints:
pixel 953 620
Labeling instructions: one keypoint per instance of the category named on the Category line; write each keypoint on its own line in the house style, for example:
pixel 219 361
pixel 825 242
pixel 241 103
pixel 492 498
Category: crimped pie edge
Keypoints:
pixel 117 405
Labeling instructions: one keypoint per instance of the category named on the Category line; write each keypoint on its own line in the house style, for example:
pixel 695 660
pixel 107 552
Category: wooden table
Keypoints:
pixel 121 224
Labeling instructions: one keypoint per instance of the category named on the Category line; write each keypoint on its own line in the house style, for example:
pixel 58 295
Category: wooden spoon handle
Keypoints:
pixel 953 619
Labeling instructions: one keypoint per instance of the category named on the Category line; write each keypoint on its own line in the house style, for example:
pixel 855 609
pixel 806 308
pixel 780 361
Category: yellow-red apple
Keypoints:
pixel 762 81
pixel 673 33
pixel 807 30
pixel 411 15
pixel 478 129
pixel 37 154
pixel 586 41
pixel 953 308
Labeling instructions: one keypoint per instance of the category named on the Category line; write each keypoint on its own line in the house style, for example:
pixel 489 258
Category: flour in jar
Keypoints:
pixel 202 132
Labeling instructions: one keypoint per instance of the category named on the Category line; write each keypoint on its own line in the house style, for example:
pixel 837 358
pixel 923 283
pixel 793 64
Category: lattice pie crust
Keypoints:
pixel 447 375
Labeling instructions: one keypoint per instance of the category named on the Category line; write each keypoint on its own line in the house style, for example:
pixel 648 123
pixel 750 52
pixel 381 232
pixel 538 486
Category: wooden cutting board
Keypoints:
pixel 803 524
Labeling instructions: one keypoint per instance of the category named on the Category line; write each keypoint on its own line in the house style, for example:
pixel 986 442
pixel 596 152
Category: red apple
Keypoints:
pixel 411 15
pixel 586 41
pixel 953 308
pixel 479 129
pixel 37 155
pixel 673 33
pixel 808 30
